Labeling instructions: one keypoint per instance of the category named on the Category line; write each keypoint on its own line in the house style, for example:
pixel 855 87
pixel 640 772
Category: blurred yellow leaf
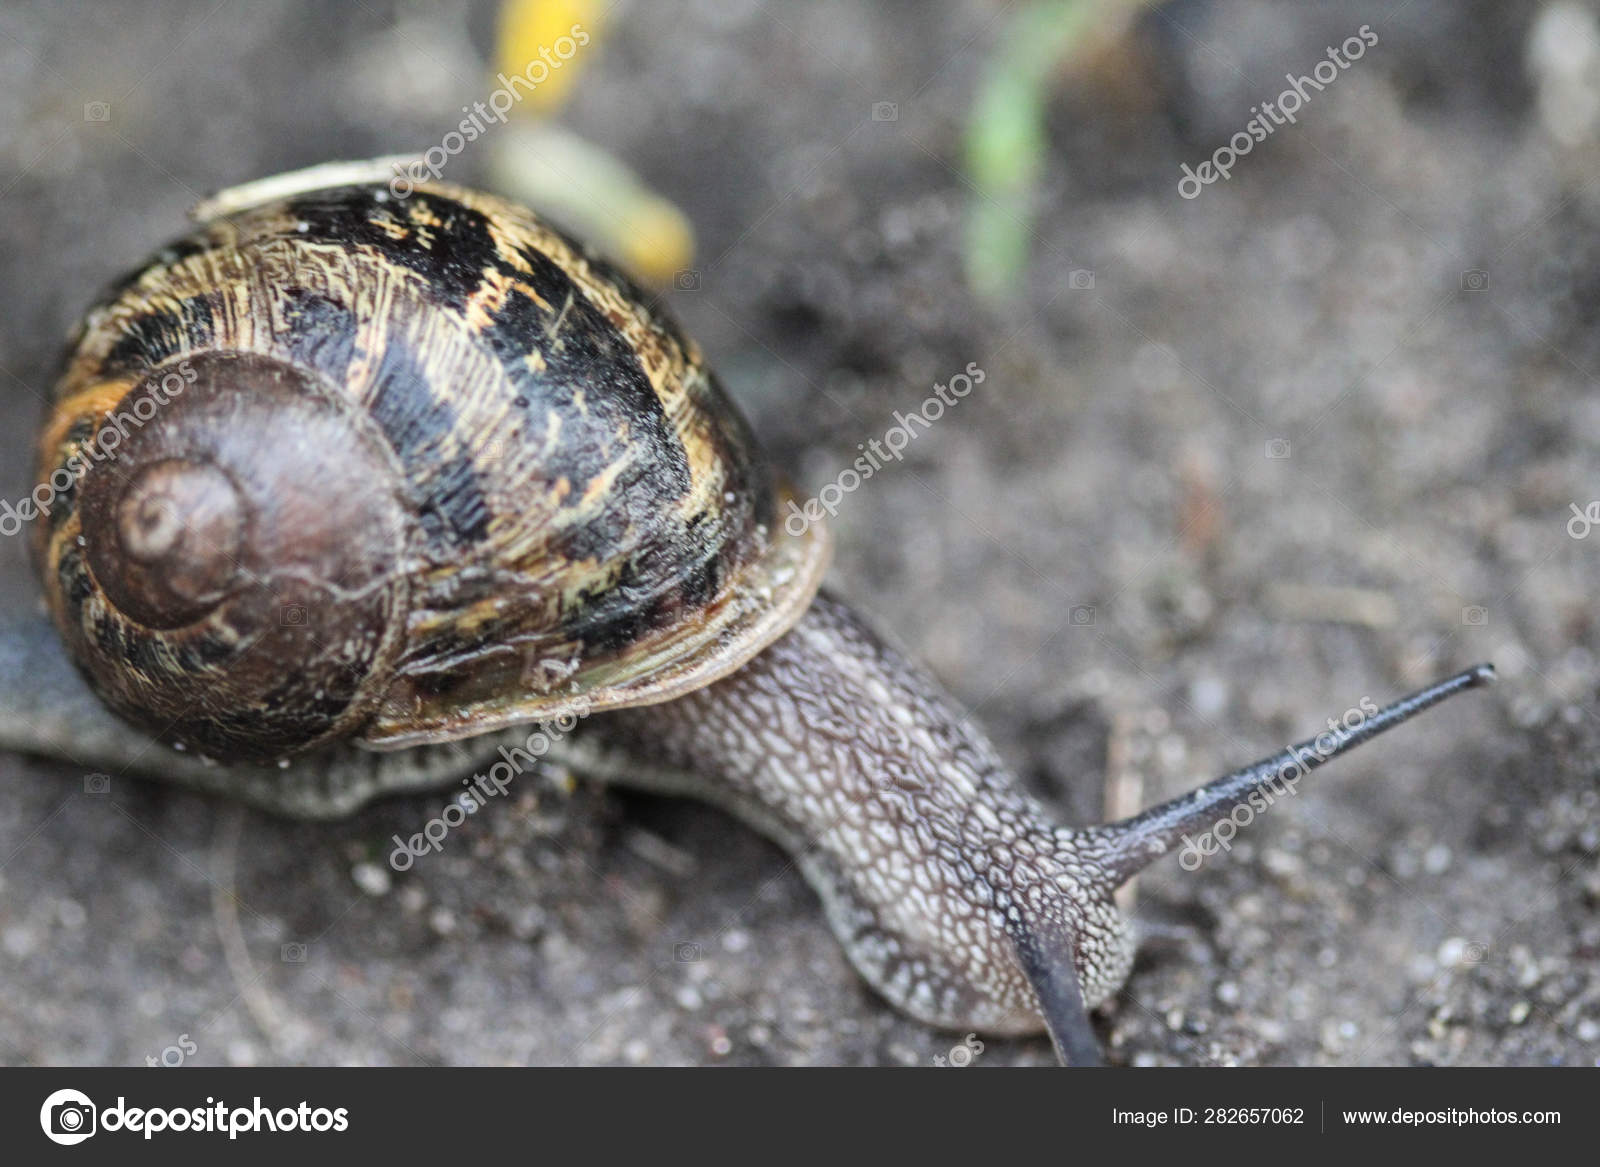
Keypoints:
pixel 546 42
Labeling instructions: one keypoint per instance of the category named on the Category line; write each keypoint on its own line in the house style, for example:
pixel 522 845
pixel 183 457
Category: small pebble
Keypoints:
pixel 1527 712
pixel 151 1003
pixel 528 923
pixel 1329 1037
pixel 1209 696
pixel 371 878
pixel 1403 862
pixel 1281 864
pixel 1528 971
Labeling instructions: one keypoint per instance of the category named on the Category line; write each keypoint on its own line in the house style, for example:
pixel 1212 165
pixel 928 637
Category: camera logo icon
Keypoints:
pixel 293 615
pixel 97 783
pixel 1277 448
pixel 1081 615
pixel 68 1117
pixel 1476 280
pixel 686 279
pixel 960 1056
pixel 1475 616
pixel 687 953
pixel 885 111
pixel 1080 279
pixel 292 953
pixel 97 111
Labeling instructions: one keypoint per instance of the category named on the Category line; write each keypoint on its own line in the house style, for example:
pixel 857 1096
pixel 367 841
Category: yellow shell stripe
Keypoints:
pixel 675 370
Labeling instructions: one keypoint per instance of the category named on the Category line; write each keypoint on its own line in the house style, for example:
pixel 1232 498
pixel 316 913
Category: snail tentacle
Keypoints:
pixel 1134 843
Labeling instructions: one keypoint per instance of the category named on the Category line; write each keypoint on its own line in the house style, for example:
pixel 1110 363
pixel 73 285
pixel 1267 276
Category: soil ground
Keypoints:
pixel 1280 452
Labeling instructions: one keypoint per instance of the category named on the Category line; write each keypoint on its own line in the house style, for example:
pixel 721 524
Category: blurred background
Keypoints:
pixel 1246 451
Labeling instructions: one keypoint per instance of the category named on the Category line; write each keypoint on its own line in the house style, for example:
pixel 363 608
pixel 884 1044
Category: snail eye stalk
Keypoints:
pixel 1052 971
pixel 1134 843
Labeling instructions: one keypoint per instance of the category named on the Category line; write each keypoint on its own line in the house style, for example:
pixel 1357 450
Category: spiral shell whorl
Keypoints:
pixel 234 594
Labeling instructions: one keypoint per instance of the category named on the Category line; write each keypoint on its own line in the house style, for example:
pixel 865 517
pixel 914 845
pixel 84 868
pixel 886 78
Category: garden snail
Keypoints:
pixel 395 473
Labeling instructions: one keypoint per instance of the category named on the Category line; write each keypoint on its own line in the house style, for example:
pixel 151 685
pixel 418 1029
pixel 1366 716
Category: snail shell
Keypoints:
pixel 405 470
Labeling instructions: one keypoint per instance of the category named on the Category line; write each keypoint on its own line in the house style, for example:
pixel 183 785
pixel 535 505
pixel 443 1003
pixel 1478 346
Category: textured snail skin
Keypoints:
pixel 931 863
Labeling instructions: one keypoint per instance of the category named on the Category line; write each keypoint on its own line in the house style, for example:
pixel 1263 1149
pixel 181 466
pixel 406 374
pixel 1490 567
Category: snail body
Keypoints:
pixel 412 471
